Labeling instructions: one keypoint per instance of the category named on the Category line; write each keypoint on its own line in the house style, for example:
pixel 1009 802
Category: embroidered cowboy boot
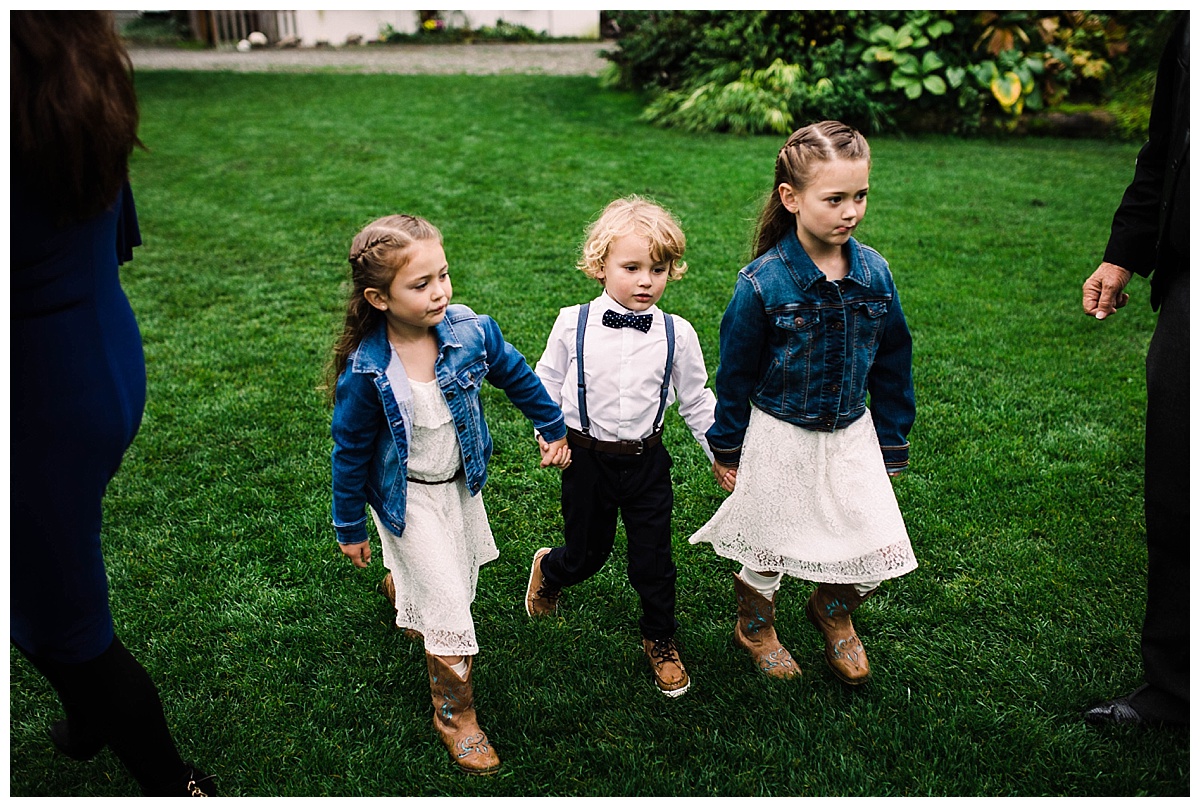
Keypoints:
pixel 829 610
pixel 755 631
pixel 454 718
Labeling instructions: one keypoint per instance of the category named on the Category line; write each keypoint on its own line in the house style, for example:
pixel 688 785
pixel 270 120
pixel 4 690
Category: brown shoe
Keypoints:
pixel 454 718
pixel 669 673
pixel 539 600
pixel 388 587
pixel 755 632
pixel 829 610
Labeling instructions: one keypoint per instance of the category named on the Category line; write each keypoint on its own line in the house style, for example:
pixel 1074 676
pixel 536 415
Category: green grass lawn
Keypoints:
pixel 276 659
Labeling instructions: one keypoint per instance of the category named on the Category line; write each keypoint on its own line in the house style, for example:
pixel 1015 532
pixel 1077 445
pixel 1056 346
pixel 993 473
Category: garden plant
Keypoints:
pixel 279 666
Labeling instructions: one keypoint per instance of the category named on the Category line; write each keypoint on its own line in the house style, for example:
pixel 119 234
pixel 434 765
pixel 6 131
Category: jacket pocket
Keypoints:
pixel 471 377
pixel 790 372
pixel 868 318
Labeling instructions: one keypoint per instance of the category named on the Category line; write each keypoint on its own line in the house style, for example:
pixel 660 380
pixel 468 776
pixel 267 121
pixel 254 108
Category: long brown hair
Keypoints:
pixel 74 109
pixel 376 254
pixel 796 164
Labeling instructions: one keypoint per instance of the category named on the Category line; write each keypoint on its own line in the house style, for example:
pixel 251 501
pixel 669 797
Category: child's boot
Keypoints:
pixel 755 631
pixel 829 610
pixel 670 676
pixel 454 718
pixel 388 588
pixel 540 600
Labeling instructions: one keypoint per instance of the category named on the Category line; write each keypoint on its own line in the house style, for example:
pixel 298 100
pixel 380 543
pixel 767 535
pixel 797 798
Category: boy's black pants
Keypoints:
pixel 595 487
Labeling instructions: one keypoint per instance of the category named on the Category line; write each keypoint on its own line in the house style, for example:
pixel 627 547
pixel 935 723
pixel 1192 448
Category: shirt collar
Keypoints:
pixel 605 303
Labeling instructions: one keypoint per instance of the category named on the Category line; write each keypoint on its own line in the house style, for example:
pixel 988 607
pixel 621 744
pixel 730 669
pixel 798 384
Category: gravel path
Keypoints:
pixel 558 58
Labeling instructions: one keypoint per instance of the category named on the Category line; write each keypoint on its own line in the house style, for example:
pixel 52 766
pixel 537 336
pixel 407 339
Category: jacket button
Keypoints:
pixel 798 320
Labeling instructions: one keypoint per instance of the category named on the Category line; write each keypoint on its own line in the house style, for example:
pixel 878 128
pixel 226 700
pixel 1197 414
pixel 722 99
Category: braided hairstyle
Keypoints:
pixel 376 254
pixel 796 164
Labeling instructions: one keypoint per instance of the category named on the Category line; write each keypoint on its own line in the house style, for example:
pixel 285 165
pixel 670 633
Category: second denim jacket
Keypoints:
pixel 370 417
pixel 808 351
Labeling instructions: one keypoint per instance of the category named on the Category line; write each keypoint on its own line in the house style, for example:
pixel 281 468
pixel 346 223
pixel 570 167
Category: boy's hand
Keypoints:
pixel 556 454
pixel 726 476
pixel 359 554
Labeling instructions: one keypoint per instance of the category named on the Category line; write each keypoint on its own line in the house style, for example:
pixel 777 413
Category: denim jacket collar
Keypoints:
pixel 374 352
pixel 806 273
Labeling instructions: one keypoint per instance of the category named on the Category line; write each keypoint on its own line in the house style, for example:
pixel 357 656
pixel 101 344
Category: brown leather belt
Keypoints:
pixel 632 448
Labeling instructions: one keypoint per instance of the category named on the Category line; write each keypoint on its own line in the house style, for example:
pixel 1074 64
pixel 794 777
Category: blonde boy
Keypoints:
pixel 614 365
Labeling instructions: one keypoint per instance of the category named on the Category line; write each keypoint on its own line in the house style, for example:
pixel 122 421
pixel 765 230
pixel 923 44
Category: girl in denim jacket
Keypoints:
pixel 814 327
pixel 411 444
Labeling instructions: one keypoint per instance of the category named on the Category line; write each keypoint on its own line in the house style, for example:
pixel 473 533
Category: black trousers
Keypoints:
pixel 1166 629
pixel 595 488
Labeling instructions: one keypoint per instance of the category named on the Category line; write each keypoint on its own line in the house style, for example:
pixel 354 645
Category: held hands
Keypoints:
pixel 555 454
pixel 725 475
pixel 359 554
pixel 1104 291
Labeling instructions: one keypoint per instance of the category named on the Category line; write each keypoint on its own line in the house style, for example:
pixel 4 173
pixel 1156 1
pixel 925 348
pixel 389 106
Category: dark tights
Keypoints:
pixel 110 700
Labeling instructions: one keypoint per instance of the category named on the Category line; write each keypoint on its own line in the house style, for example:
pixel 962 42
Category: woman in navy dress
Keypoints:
pixel 78 384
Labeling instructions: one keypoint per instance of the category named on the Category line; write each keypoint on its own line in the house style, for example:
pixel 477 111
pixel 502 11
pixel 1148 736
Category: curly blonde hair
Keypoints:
pixel 633 214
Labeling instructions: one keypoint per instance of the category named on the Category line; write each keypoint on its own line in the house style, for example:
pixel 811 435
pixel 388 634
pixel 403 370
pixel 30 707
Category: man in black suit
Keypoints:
pixel 1150 237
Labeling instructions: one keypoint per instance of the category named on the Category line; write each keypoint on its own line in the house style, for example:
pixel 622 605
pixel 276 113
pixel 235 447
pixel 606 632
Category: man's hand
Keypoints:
pixel 1104 291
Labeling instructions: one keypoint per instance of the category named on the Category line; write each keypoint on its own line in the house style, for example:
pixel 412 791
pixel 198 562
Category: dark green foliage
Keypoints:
pixel 879 70
pixel 278 666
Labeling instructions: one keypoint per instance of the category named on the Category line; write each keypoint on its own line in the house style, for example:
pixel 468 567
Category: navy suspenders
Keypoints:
pixel 666 382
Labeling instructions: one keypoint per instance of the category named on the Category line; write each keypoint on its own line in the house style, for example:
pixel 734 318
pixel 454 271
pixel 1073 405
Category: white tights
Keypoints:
pixel 767 583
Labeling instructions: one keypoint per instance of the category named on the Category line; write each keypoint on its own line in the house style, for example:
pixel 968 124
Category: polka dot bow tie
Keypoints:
pixel 640 321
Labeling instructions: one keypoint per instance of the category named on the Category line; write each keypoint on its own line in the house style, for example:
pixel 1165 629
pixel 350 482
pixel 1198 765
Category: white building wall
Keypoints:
pixel 333 27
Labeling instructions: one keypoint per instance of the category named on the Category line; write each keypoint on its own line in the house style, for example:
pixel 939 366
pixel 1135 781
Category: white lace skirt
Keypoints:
pixel 815 505
pixel 435 563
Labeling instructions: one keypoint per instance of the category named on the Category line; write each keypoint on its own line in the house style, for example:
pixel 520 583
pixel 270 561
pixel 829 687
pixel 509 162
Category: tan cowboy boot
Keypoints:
pixel 388 587
pixel 755 631
pixel 829 610
pixel 454 718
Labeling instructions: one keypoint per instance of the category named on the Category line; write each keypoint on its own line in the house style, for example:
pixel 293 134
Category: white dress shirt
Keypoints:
pixel 623 373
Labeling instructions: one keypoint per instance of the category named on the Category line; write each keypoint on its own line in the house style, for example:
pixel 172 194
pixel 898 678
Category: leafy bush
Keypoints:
pixel 769 71
pixel 434 29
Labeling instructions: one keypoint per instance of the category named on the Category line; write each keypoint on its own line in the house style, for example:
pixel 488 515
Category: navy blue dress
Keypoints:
pixel 78 389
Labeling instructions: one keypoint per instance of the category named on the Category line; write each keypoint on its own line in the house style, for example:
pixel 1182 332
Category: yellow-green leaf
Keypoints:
pixel 1007 89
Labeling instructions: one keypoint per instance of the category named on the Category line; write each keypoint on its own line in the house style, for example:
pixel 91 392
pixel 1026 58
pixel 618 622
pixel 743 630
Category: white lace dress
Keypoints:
pixel 815 505
pixel 435 563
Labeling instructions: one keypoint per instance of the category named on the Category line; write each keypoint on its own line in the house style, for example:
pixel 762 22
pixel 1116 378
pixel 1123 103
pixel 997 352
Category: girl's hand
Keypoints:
pixel 726 476
pixel 556 454
pixel 359 554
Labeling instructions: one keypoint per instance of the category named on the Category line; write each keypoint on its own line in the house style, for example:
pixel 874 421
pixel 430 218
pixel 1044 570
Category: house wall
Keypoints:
pixel 333 27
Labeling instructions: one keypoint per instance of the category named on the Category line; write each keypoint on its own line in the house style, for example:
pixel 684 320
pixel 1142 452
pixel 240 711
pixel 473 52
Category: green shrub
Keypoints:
pixel 757 71
pixel 435 30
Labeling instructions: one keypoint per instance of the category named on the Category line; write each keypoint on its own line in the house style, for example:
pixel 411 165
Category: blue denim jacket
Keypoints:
pixel 370 443
pixel 809 351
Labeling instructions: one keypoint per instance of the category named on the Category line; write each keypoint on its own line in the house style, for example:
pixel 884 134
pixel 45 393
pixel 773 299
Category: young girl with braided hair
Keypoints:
pixel 412 446
pixel 813 328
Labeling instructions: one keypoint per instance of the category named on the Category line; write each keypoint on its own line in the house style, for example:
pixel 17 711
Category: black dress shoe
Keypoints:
pixel 1145 706
pixel 78 748
pixel 1115 712
pixel 191 782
